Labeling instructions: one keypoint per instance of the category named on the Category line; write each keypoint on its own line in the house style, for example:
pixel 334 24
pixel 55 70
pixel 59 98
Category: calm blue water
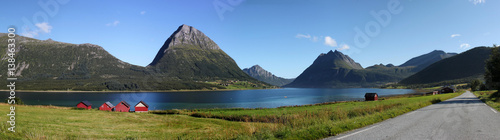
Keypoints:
pixel 208 99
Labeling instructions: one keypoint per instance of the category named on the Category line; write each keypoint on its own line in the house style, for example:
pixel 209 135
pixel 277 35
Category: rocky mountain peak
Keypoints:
pixel 257 70
pixel 261 74
pixel 338 59
pixel 188 35
pixel 185 37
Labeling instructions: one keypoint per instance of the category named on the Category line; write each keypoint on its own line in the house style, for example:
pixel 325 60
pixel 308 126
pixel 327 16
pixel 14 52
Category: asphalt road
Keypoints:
pixel 462 118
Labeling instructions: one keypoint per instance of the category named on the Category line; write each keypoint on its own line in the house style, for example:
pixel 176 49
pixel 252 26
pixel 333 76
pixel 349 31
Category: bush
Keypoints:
pixel 436 100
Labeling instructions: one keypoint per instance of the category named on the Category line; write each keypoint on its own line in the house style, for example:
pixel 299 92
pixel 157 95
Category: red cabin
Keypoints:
pixel 141 107
pixel 122 107
pixel 107 106
pixel 371 97
pixel 447 90
pixel 84 104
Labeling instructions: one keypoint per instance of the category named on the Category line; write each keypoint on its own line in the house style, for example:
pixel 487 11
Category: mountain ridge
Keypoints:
pixel 53 65
pixel 422 61
pixel 263 75
pixel 460 68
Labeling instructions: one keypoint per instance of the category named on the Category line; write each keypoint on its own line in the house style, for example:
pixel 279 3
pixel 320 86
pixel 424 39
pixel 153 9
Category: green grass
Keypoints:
pixel 42 122
pixel 491 97
pixel 300 122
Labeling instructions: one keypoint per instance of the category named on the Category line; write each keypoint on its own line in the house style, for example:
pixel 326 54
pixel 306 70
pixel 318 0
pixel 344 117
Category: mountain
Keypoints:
pixel 187 60
pixel 460 68
pixel 261 74
pixel 188 54
pixel 336 70
pixel 422 61
pixel 48 64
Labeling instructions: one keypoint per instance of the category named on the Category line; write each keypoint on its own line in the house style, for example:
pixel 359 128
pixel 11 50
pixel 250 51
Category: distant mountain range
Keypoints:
pixel 421 62
pixel 261 74
pixel 460 68
pixel 186 60
pixel 191 60
pixel 336 70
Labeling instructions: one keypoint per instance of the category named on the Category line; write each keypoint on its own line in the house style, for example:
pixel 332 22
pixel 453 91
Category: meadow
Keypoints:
pixel 295 122
pixel 490 97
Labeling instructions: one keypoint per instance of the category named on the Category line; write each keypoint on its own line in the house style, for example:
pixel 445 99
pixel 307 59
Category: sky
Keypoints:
pixel 282 36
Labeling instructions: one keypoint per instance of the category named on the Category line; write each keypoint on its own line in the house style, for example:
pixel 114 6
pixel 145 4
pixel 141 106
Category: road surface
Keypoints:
pixel 462 118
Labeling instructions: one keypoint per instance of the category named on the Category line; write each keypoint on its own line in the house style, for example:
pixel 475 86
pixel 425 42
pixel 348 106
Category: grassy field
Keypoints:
pixel 301 122
pixel 491 97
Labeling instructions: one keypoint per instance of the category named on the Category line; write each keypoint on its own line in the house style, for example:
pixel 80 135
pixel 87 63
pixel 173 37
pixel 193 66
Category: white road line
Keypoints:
pixel 408 114
pixel 357 132
pixel 493 110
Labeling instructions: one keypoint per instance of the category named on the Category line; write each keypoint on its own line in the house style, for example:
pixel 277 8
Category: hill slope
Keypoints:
pixel 422 61
pixel 460 68
pixel 187 57
pixel 336 70
pixel 188 54
pixel 261 74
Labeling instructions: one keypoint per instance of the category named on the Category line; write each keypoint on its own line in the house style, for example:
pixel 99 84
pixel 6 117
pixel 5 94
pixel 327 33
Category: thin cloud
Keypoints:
pixel 29 33
pixel 143 12
pixel 455 35
pixel 464 46
pixel 329 41
pixel 343 47
pixel 477 1
pixel 43 27
pixel 302 36
pixel 116 22
pixel 308 36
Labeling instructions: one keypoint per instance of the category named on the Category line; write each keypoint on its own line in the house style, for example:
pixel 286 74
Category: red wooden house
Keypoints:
pixel 107 106
pixel 447 90
pixel 122 107
pixel 371 97
pixel 84 104
pixel 141 107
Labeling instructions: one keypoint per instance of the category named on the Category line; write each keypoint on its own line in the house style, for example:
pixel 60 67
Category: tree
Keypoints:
pixel 492 74
pixel 474 85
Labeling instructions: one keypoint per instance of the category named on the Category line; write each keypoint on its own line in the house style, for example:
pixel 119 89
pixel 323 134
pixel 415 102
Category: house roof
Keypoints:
pixel 125 103
pixel 87 103
pixel 143 104
pixel 109 104
pixel 370 94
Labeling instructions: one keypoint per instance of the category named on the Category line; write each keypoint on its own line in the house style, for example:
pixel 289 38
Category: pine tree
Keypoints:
pixel 492 75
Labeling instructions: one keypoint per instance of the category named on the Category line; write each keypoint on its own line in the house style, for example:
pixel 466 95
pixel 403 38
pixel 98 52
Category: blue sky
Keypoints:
pixel 282 36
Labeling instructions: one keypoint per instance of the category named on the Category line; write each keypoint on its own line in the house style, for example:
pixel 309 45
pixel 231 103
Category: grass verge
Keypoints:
pixel 491 97
pixel 300 122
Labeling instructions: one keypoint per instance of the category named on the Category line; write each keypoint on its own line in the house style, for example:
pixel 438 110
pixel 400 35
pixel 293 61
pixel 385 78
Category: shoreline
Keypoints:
pixel 116 91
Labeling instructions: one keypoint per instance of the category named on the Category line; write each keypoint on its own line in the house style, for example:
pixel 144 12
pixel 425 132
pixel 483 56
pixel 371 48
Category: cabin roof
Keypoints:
pixel 109 104
pixel 143 104
pixel 125 103
pixel 87 103
pixel 370 94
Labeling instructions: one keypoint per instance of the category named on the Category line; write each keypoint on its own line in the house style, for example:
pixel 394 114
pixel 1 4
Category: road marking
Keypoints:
pixel 407 114
pixel 357 132
pixel 493 110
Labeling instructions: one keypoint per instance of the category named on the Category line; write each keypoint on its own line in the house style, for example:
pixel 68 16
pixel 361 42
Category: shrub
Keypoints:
pixel 436 100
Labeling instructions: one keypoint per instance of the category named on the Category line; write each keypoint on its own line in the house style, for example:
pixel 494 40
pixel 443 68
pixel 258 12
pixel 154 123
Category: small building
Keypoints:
pixel 141 107
pixel 371 97
pixel 122 107
pixel 436 92
pixel 107 106
pixel 84 104
pixel 447 90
